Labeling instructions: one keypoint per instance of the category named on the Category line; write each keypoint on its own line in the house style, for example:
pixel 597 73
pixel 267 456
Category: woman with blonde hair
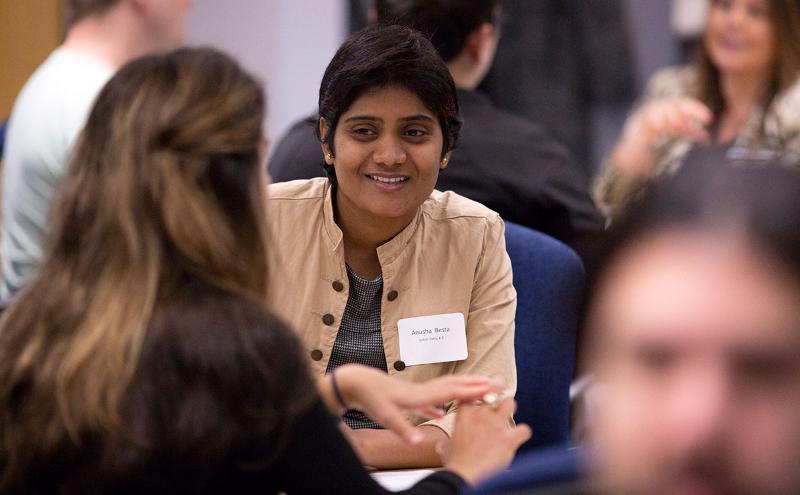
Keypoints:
pixel 142 357
pixel 739 100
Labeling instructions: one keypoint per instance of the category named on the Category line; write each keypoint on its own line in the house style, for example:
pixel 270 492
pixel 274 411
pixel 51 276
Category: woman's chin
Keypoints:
pixel 736 65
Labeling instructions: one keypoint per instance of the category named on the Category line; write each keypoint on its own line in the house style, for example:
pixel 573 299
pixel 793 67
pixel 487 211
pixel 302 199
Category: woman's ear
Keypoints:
pixel 323 135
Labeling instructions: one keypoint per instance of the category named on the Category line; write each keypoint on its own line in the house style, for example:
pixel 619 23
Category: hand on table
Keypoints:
pixel 388 401
pixel 484 441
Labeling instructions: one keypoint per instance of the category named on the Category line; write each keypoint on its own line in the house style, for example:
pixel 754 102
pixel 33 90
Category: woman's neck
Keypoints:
pixel 741 93
pixel 362 234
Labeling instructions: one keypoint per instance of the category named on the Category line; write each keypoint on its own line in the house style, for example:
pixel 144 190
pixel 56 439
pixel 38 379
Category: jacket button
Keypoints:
pixel 328 319
pixel 392 295
pixel 338 286
pixel 316 354
pixel 398 365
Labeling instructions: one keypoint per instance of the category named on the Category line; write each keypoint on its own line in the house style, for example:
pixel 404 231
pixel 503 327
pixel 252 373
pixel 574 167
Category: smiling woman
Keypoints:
pixel 373 253
pixel 387 162
pixel 740 100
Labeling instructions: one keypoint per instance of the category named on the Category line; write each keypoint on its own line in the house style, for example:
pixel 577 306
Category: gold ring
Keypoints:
pixel 492 399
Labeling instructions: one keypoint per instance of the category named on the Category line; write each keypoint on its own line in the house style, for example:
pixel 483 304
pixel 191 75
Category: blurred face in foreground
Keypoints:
pixel 697 336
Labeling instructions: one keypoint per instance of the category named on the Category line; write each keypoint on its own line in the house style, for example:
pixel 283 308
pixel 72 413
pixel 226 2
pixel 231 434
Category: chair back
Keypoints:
pixel 549 279
pixel 548 471
pixel 3 126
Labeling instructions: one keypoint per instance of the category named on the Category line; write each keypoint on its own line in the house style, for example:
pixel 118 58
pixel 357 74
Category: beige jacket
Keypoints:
pixel 778 128
pixel 450 259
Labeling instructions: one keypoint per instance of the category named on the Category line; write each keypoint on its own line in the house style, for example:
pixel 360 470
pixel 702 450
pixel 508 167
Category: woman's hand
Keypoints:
pixel 670 117
pixel 388 401
pixel 483 441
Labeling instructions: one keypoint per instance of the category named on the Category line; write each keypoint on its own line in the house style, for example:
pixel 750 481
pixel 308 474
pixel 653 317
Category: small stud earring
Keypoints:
pixel 328 157
pixel 444 163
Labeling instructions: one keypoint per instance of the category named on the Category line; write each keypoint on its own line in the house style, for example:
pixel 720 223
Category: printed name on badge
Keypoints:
pixel 432 339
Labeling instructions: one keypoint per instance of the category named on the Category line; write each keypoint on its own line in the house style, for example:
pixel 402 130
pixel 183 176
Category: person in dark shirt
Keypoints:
pixel 561 60
pixel 508 163
pixel 143 358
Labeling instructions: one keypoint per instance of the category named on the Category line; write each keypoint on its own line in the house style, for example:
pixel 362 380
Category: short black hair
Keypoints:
pixel 380 56
pixel 447 23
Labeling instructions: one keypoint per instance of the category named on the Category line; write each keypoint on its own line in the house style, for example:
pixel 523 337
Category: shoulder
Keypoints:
pixel 302 190
pixel 672 82
pixel 53 105
pixel 787 107
pixel 68 80
pixel 479 109
pixel 506 137
pixel 450 207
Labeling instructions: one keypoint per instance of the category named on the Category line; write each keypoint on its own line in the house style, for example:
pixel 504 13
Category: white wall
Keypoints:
pixel 286 43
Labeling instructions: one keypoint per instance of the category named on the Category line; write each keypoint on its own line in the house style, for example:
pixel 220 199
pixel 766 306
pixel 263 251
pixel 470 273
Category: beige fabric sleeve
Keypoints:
pixel 490 323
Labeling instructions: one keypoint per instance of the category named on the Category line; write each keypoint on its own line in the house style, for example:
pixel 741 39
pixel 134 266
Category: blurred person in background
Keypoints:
pixel 694 333
pixel 142 357
pixel 740 100
pixel 503 161
pixel 372 253
pixel 560 60
pixel 50 111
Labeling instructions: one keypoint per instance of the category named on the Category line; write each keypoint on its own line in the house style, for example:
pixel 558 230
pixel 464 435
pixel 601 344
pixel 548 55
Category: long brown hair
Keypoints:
pixel 163 185
pixel 785 21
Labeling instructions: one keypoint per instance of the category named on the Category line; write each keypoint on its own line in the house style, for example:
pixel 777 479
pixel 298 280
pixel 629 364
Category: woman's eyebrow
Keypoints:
pixel 363 117
pixel 409 118
pixel 420 116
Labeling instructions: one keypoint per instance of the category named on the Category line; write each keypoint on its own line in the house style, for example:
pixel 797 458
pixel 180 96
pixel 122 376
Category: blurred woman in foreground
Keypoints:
pixel 740 100
pixel 142 357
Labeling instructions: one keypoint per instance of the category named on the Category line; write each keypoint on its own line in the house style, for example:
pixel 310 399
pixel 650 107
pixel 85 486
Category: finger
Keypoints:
pixel 657 123
pixel 394 421
pixel 497 383
pixel 522 433
pixel 674 119
pixel 694 118
pixel 429 412
pixel 507 407
pixel 694 130
pixel 446 389
pixel 697 110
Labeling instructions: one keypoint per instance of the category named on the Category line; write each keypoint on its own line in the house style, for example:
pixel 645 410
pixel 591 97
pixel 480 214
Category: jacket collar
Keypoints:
pixel 387 252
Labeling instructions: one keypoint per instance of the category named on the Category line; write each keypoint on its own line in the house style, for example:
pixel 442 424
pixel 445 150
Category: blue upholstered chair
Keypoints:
pixel 3 126
pixel 549 470
pixel 549 278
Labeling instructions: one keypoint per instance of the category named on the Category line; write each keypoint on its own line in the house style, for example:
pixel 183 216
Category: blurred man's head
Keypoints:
pixel 75 10
pixel 464 32
pixel 695 330
pixel 166 20
pixel 119 30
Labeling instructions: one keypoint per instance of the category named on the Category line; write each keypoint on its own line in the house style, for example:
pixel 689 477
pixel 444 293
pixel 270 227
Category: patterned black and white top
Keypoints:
pixel 359 339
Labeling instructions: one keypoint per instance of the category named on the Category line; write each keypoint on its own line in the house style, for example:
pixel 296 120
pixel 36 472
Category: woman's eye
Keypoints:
pixel 416 133
pixel 363 132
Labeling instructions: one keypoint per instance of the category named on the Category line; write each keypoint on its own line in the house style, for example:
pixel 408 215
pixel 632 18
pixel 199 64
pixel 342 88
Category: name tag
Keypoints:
pixel 432 339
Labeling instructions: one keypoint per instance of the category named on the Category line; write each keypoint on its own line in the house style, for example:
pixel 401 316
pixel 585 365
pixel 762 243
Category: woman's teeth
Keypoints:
pixel 388 180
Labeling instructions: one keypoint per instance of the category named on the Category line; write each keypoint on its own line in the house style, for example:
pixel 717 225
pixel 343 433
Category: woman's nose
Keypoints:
pixel 389 152
pixel 736 15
